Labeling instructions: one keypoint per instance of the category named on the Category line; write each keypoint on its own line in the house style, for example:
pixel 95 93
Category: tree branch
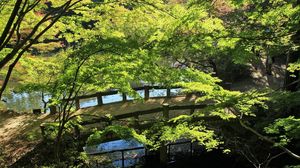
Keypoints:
pixel 273 157
pixel 4 61
pixel 10 21
pixel 269 140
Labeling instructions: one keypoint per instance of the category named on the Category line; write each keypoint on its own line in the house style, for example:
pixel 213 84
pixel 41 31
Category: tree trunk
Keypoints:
pixel 58 142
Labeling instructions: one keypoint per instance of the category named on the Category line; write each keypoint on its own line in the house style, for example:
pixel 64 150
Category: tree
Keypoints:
pixel 241 35
pixel 183 44
pixel 39 75
pixel 15 26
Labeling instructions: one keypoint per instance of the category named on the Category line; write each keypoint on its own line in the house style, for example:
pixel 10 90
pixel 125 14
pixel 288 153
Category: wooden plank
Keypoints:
pixel 109 93
pixel 139 88
pixel 106 93
pixel 145 112
pixel 86 96
pixel 187 107
pixel 151 111
pixel 133 114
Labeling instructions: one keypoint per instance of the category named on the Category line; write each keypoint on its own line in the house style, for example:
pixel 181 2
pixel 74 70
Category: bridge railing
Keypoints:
pixel 123 158
pixel 165 110
pixel 146 90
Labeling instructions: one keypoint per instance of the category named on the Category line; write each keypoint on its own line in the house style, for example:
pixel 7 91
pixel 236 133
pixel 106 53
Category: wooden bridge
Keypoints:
pixel 157 108
pixel 153 108
pixel 162 106
pixel 146 90
pixel 150 106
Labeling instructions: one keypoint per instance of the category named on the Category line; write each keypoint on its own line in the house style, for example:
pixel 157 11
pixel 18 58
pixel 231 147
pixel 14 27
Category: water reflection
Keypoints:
pixel 88 102
pixel 22 102
pixel 114 150
pixel 112 98
pixel 158 92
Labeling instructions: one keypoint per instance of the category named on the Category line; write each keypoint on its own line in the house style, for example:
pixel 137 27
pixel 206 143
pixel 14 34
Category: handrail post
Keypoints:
pixel 136 120
pixel 192 110
pixel 77 103
pixel 166 111
pixel 168 93
pixel 99 99
pixel 123 163
pixel 147 92
pixel 124 97
pixel 42 126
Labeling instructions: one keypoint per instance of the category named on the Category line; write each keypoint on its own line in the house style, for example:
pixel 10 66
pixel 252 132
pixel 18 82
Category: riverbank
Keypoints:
pixel 19 133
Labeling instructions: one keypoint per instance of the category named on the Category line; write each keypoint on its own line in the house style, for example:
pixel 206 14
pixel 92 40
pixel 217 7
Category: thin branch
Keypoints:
pixel 269 140
pixel 246 156
pixel 59 12
pixel 63 9
pixel 273 157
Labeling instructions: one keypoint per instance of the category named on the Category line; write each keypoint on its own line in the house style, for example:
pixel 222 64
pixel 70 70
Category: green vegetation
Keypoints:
pixel 65 49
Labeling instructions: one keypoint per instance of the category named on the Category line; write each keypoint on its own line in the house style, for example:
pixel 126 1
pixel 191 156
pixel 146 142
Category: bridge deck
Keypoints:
pixel 137 105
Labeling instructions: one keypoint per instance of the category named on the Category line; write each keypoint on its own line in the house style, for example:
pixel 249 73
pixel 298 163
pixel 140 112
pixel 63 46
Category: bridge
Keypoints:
pixel 152 108
pixel 169 103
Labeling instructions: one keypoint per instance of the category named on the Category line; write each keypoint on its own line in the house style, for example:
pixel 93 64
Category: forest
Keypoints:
pixel 150 83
